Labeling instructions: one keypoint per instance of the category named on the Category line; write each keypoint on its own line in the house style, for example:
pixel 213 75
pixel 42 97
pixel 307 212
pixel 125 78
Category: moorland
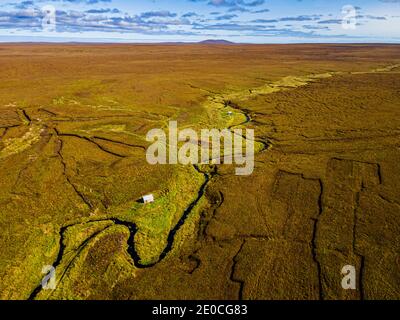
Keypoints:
pixel 324 192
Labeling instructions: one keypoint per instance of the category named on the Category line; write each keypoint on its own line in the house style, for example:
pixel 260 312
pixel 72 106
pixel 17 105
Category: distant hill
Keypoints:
pixel 216 42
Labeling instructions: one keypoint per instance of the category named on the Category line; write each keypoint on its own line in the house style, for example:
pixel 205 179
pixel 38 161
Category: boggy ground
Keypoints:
pixel 324 192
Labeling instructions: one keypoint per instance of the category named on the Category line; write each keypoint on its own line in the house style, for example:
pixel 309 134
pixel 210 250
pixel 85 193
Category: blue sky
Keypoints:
pixel 253 21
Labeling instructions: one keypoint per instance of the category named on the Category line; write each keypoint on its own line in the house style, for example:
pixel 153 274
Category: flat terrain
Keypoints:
pixel 324 193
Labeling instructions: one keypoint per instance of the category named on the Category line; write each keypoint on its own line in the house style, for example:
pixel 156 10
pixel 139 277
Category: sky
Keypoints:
pixel 244 21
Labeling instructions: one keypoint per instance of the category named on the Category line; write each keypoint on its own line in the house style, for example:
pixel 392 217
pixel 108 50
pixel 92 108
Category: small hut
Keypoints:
pixel 148 198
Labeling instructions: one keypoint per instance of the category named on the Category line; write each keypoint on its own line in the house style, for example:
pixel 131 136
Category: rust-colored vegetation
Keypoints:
pixel 324 193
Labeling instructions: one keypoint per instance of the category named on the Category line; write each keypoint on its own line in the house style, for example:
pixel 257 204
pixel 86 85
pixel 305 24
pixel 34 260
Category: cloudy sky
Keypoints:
pixel 255 21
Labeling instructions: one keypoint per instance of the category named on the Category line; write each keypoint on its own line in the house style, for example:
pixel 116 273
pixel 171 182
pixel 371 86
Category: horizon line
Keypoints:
pixel 196 42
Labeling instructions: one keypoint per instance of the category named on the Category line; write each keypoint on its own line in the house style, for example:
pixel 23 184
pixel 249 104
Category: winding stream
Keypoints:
pixel 133 229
